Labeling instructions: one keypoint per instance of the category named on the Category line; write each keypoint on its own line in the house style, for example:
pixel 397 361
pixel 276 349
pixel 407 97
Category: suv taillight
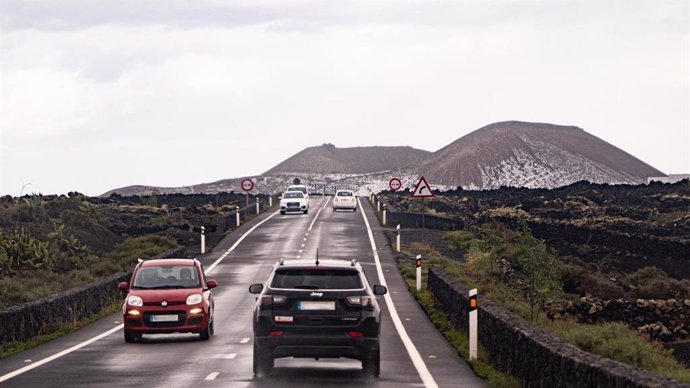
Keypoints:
pixel 269 300
pixel 366 302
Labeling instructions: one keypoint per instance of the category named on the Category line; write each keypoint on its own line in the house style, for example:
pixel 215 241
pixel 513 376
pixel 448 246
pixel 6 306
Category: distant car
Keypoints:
pixel 317 310
pixel 168 296
pixel 294 201
pixel 345 199
pixel 301 188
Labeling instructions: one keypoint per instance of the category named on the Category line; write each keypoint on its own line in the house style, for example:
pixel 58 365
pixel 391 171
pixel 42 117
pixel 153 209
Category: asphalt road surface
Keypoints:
pixel 413 353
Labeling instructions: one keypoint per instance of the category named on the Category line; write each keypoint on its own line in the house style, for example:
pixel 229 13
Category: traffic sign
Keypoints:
pixel 247 185
pixel 423 189
pixel 394 184
pixel 296 181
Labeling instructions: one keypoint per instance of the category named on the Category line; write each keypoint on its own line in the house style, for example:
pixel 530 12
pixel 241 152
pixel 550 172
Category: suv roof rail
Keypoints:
pixel 353 262
pixel 281 261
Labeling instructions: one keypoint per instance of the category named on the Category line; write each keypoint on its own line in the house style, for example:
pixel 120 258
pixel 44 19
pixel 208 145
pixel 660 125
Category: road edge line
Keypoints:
pixel 417 359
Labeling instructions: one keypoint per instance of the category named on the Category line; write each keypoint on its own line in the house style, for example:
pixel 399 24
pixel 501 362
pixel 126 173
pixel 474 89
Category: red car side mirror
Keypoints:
pixel 212 283
pixel 124 286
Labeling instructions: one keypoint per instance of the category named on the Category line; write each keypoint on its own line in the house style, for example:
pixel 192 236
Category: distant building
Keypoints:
pixel 671 178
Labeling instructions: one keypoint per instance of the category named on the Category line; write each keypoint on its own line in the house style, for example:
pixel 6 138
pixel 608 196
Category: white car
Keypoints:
pixel 294 201
pixel 301 188
pixel 345 199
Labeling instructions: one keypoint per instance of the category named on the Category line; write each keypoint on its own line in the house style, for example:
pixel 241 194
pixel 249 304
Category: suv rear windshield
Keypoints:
pixel 317 279
pixel 303 189
pixel 344 193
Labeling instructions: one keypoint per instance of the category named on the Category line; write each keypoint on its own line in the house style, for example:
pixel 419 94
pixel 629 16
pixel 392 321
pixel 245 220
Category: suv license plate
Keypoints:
pixel 308 305
pixel 164 318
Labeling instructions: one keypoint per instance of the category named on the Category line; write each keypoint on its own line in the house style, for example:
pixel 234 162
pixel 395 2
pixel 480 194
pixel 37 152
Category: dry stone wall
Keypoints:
pixel 537 358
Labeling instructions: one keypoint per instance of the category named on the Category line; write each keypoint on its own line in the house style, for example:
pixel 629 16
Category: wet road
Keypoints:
pixel 413 353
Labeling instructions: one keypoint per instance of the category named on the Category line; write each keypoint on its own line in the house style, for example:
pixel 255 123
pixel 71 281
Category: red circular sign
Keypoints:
pixel 395 184
pixel 247 185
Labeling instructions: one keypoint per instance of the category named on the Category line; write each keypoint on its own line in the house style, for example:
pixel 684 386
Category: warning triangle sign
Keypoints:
pixel 423 189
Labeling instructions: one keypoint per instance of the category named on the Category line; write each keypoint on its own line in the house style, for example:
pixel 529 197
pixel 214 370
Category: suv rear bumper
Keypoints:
pixel 311 346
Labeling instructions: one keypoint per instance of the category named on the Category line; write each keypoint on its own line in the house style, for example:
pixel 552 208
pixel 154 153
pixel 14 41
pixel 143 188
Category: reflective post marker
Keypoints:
pixel 384 214
pixel 203 240
pixel 473 323
pixel 418 264
pixel 397 236
pixel 257 206
pixel 270 201
pixel 237 217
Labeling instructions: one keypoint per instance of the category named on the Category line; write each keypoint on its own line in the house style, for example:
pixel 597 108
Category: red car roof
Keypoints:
pixel 166 262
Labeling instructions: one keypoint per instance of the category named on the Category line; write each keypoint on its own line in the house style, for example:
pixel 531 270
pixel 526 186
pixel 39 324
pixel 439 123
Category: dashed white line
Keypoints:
pixel 317 214
pixel 212 376
pixel 245 340
pixel 417 359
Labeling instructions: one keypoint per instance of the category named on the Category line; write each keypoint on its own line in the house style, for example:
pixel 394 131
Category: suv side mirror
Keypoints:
pixel 212 283
pixel 123 286
pixel 380 290
pixel 256 288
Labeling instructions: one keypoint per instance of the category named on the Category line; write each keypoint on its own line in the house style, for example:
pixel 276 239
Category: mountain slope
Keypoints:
pixel 522 154
pixel 328 159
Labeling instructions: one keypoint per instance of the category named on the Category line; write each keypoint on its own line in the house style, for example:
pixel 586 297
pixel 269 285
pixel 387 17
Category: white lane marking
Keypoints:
pixel 229 356
pixel 317 214
pixel 232 248
pixel 60 354
pixel 212 376
pixel 244 340
pixel 121 326
pixel 417 359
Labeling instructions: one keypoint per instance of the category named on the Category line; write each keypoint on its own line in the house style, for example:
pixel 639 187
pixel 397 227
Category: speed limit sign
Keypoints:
pixel 247 185
pixel 394 184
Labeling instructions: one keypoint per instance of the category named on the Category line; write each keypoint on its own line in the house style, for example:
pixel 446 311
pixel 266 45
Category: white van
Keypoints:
pixel 301 188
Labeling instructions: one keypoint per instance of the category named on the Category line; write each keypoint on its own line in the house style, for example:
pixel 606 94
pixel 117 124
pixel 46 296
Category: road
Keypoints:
pixel 413 353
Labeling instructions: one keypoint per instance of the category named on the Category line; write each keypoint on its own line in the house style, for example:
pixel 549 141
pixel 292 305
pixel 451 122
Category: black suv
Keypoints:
pixel 317 310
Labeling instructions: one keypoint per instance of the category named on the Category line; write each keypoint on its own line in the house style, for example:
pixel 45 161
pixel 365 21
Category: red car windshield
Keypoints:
pixel 167 277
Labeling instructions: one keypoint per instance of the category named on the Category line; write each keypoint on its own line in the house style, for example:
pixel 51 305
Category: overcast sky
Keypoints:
pixel 98 95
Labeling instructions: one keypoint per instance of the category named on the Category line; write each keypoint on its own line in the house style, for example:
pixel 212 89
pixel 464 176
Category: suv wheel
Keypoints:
pixel 207 332
pixel 263 361
pixel 371 362
pixel 306 211
pixel 130 336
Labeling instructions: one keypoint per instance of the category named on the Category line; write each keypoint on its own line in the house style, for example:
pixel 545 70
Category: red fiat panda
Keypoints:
pixel 168 296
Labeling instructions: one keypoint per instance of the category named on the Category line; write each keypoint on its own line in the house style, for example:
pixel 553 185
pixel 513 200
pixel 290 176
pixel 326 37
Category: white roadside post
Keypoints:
pixel 473 323
pixel 270 201
pixel 237 216
pixel 384 214
pixel 257 206
pixel 418 264
pixel 397 237
pixel 203 240
pixel 378 204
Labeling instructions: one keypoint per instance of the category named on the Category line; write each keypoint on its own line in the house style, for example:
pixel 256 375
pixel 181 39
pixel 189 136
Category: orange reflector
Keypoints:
pixel 277 333
pixel 355 334
pixel 473 303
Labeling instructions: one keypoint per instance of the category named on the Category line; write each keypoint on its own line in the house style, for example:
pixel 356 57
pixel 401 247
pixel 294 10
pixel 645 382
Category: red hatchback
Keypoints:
pixel 168 296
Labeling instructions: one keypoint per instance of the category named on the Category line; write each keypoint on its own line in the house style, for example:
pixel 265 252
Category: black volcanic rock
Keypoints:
pixel 535 155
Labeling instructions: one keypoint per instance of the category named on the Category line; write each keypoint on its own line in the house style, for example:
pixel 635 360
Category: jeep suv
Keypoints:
pixel 317 310
pixel 168 296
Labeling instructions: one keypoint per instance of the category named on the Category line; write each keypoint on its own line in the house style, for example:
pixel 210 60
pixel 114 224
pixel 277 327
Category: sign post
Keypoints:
pixel 473 323
pixel 247 185
pixel 418 264
pixel 422 190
